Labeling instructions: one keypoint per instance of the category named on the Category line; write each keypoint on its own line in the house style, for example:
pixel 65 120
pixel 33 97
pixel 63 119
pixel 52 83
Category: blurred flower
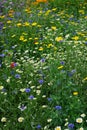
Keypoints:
pixel 83 115
pixel 75 38
pixel 3 119
pixel 38 126
pixel 43 60
pixel 27 90
pixel 58 107
pixel 20 119
pixel 71 126
pixel 22 107
pixel 22 90
pixel 53 28
pixel 59 39
pixel 81 128
pixel 49 99
pixel 2 55
pixel 58 128
pixel 79 120
pixel 13 64
pixel 31 97
pixel 62 62
pixel 1 87
pixel 75 93
pixel 60 67
pixel 41 81
pixel 49 120
pixel 17 76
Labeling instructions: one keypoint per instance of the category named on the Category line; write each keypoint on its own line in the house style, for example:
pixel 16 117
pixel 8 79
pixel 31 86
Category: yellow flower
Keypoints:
pixel 36 43
pixel 9 21
pixel 26 24
pixel 81 11
pixel 3 119
pixel 60 67
pixel 79 120
pixel 4 27
pixel 58 128
pixel 41 49
pixel 36 38
pixel 19 24
pixel 1 87
pixel 34 24
pixel 75 38
pixel 75 93
pixel 54 9
pixel 25 40
pixel 49 45
pixel 85 79
pixel 53 27
pixel 3 16
pixel 21 38
pixel 20 119
pixel 59 39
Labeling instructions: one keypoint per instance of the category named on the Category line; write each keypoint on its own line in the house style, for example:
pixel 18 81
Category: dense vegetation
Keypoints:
pixel 43 65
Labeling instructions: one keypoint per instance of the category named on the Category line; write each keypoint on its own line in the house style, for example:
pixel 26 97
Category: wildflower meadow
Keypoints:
pixel 43 65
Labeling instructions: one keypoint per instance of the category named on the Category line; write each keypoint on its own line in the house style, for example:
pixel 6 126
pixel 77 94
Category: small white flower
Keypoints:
pixel 1 87
pixel 79 120
pixel 20 119
pixel 49 120
pixel 3 119
pixel 81 128
pixel 83 115
pixel 58 128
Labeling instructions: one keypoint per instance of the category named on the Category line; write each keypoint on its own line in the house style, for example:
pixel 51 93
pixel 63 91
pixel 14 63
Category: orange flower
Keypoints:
pixel 41 0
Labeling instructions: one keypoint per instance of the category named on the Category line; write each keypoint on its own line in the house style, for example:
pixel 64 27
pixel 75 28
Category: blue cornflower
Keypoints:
pixel 49 99
pixel 38 126
pixel 43 60
pixel 2 55
pixel 62 62
pixel 86 43
pixel 41 81
pixel 27 90
pixel 71 126
pixel 17 76
pixel 58 107
pixel 31 97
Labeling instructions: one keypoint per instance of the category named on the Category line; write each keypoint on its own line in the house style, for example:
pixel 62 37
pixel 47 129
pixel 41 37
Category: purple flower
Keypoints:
pixel 17 76
pixel 2 55
pixel 31 97
pixel 42 60
pixel 71 126
pixel 38 126
pixel 27 90
pixel 22 107
pixel 62 62
pixel 41 81
pixel 58 107
pixel 49 99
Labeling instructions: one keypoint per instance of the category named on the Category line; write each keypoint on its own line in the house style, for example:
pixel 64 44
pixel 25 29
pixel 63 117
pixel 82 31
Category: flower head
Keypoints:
pixel 79 120
pixel 58 107
pixel 58 128
pixel 38 126
pixel 20 119
pixel 71 126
